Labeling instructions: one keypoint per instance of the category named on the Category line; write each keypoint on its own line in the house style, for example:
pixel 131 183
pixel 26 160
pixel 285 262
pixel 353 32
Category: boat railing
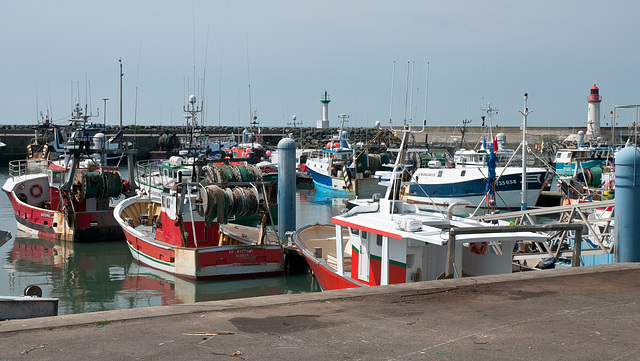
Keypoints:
pixel 596 218
pixel 148 167
pixel 21 167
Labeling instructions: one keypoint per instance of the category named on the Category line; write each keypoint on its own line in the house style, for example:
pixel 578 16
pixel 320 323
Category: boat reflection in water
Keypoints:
pixel 86 277
pixel 90 277
pixel 146 284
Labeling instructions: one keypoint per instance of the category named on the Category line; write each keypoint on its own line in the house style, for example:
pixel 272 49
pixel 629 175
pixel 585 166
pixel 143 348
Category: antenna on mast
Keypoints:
pixel 393 76
pixel 426 93
pixel 249 77
pixel 490 112
pixel 413 68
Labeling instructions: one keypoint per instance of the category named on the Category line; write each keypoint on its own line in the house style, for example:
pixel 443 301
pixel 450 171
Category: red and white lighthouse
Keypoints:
pixel 593 117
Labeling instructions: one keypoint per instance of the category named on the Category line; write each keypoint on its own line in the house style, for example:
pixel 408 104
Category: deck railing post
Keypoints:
pixel 384 269
pixel 339 250
pixel 451 255
pixel 577 248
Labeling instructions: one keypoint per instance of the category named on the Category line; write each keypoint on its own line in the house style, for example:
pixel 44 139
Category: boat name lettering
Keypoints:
pixel 506 182
pixel 46 215
pixel 238 251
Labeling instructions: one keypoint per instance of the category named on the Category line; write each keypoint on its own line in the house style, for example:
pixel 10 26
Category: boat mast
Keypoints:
pixel 490 111
pixel 426 93
pixel 406 129
pixel 524 113
pixel 121 75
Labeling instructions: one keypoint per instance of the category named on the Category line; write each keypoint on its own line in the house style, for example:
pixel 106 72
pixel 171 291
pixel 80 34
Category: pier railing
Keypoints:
pixel 596 237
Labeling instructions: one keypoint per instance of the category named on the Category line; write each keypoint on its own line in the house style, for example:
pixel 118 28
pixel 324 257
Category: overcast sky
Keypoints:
pixel 290 52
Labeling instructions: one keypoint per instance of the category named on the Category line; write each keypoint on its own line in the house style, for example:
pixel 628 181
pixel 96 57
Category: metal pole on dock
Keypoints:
pixel 523 205
pixel 627 168
pixel 286 187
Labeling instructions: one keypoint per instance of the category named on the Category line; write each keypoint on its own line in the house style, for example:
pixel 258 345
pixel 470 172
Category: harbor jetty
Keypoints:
pixel 586 313
pixel 145 138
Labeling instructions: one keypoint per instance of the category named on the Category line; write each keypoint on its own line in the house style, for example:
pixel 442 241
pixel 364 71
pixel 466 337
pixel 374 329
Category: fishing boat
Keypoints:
pixel 62 139
pixel 386 240
pixel 249 151
pixel 585 163
pixel 343 170
pixel 485 168
pixel 198 148
pixel 437 188
pixel 182 232
pixel 67 198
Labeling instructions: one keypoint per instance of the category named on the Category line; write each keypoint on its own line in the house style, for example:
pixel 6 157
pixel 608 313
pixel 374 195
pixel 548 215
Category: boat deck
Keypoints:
pixel 251 233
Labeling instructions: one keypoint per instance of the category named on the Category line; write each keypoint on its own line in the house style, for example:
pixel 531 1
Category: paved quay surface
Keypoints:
pixel 586 313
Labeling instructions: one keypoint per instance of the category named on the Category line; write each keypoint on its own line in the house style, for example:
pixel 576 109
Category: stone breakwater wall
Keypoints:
pixel 145 138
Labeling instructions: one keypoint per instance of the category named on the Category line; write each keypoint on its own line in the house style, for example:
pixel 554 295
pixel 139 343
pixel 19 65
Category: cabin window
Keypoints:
pixel 379 240
pixel 463 173
pixel 439 173
pixel 363 234
pixel 354 231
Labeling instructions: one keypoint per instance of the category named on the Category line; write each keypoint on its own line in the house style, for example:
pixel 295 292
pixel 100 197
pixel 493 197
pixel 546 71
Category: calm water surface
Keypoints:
pixel 103 276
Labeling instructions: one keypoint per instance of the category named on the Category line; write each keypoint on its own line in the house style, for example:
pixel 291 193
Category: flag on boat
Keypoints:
pixel 491 176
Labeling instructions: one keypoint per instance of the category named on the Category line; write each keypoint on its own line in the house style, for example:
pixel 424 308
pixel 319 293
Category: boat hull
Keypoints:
pixel 327 278
pixel 444 187
pixel 361 188
pixel 94 226
pixel 219 262
pixel 318 236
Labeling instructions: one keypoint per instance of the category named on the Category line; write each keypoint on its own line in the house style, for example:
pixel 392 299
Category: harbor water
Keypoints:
pixel 89 277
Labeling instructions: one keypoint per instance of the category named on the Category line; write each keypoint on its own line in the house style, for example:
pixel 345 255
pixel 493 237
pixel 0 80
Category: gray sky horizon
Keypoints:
pixel 293 51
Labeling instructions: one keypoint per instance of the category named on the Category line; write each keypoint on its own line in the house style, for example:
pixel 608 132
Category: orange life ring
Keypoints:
pixel 35 190
pixel 480 250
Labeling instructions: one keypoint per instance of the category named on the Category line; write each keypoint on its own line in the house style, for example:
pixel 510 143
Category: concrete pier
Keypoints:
pixel 586 313
pixel 146 138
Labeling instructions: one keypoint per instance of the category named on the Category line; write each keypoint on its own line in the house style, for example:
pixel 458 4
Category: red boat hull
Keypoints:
pixel 329 280
pixel 95 226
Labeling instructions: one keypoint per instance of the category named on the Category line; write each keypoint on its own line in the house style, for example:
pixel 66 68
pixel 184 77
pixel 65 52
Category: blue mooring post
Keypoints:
pixel 286 187
pixel 627 199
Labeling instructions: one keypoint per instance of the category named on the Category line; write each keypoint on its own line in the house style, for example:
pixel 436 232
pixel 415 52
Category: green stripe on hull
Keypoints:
pixel 149 258
pixel 379 259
